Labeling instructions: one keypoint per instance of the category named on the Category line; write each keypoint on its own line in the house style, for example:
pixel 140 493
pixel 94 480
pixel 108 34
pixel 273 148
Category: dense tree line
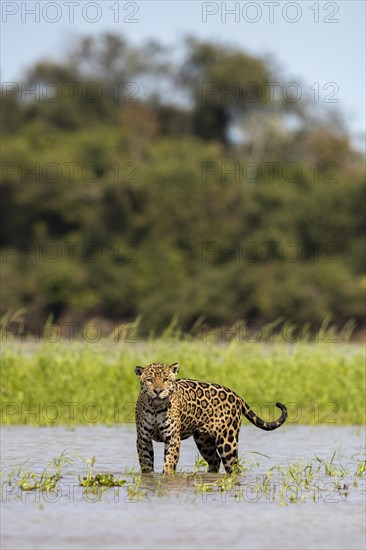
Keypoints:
pixel 141 181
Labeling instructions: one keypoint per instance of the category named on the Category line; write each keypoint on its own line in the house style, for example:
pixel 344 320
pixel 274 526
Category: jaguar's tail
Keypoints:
pixel 268 426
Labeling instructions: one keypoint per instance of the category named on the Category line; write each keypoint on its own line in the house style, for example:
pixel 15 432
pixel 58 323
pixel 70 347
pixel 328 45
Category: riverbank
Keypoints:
pixel 78 383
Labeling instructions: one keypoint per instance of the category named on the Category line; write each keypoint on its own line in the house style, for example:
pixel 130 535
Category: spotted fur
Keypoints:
pixel 169 410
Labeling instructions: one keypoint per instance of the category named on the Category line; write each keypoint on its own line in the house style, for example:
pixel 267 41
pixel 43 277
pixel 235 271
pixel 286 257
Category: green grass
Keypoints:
pixel 316 479
pixel 75 383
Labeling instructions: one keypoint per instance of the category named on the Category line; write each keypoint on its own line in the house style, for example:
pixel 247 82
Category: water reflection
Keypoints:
pixel 191 509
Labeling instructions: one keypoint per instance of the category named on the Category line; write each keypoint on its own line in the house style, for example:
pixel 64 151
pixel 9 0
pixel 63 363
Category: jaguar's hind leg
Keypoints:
pixel 207 447
pixel 228 450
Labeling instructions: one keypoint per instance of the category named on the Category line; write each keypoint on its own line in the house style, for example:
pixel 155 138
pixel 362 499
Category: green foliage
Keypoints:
pixel 87 384
pixel 102 480
pixel 220 79
pixel 96 481
pixel 291 483
pixel 130 209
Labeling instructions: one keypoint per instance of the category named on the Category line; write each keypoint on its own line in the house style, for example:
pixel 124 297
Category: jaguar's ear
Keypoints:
pixel 174 367
pixel 139 370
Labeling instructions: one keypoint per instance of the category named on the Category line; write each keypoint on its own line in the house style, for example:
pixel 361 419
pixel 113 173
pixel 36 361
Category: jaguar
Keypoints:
pixel 169 410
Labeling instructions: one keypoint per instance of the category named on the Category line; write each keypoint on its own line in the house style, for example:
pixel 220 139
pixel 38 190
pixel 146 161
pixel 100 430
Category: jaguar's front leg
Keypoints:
pixel 145 452
pixel 171 453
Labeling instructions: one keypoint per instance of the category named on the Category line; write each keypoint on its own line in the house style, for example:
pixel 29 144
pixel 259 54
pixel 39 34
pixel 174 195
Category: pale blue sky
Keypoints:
pixel 324 43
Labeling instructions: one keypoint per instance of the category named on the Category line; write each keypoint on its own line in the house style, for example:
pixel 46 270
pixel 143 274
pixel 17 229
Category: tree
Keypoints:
pixel 224 85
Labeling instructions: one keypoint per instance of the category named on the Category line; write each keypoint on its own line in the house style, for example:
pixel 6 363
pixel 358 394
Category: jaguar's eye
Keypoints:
pixel 148 382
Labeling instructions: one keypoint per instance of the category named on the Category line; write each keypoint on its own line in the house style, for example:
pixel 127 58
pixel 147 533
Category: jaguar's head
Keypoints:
pixel 157 380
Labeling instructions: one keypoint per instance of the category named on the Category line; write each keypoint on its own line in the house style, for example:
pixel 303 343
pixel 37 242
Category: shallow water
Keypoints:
pixel 175 515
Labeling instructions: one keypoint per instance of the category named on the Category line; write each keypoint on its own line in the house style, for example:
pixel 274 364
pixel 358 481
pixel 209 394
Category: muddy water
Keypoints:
pixel 175 514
